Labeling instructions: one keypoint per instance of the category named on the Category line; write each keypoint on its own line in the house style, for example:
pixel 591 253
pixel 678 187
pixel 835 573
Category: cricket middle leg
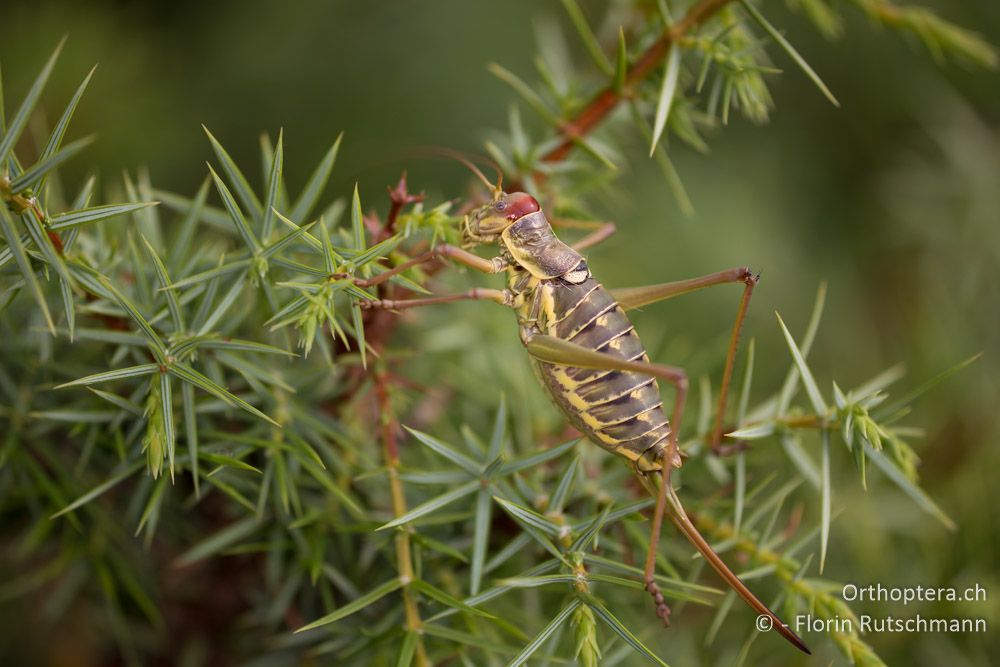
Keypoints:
pixel 635 297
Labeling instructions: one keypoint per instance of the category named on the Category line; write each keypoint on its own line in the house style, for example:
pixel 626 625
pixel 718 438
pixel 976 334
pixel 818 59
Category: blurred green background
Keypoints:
pixel 893 199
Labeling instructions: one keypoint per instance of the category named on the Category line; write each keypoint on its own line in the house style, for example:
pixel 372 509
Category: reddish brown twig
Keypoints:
pixel 605 101
pixel 400 197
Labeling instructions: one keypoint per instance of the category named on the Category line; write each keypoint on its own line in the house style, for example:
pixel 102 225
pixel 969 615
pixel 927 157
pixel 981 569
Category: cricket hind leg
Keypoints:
pixel 680 519
pixel 558 351
pixel 649 573
pixel 669 459
pixel 668 502
pixel 636 297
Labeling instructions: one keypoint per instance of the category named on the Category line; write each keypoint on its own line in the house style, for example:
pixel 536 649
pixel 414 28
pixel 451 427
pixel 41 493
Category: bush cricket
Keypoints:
pixel 588 356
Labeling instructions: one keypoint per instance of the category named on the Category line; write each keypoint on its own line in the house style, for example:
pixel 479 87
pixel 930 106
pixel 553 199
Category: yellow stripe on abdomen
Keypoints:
pixel 620 410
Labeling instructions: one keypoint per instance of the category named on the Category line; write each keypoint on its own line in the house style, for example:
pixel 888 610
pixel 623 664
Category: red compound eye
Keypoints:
pixel 518 205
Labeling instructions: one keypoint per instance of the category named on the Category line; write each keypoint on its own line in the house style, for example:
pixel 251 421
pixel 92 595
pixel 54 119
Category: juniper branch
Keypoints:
pixel 608 99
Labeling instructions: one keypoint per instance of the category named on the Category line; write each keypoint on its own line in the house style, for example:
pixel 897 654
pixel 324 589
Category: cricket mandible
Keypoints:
pixel 588 356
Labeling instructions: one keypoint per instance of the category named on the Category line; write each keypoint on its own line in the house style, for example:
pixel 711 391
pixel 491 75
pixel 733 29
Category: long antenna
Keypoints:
pixel 460 157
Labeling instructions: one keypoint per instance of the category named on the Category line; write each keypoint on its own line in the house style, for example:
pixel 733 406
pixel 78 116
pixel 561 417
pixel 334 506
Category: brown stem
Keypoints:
pixel 404 559
pixel 605 101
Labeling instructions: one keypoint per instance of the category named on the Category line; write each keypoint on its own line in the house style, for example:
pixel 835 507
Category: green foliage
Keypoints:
pixel 172 351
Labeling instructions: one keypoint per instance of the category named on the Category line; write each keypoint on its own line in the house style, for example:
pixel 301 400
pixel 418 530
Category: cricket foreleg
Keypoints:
pixel 503 297
pixel 494 265
pixel 634 297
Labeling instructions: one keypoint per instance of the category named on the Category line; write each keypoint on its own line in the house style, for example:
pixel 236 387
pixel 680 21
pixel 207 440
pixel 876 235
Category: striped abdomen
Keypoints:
pixel 620 410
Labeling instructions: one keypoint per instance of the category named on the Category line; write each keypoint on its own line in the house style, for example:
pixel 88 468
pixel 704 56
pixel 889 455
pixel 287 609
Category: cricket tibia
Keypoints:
pixel 681 520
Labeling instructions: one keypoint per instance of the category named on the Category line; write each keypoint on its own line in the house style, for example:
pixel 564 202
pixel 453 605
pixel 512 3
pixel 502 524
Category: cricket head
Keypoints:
pixel 486 223
pixel 516 220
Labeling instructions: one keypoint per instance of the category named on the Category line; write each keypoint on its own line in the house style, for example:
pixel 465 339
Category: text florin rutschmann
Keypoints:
pixel 916 623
